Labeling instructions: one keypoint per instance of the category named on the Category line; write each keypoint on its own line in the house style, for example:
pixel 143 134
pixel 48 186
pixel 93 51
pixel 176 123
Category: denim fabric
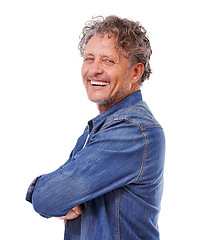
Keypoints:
pixel 116 174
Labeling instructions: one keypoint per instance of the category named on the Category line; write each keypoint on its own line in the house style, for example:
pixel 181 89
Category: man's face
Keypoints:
pixel 105 72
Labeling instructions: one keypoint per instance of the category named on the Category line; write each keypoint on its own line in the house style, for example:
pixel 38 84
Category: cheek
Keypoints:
pixel 120 70
pixel 117 76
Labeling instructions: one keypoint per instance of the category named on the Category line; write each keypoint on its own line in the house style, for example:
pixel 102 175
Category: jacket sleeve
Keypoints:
pixel 113 157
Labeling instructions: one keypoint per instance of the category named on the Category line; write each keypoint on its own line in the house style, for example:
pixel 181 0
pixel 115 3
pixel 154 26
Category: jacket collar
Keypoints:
pixel 124 103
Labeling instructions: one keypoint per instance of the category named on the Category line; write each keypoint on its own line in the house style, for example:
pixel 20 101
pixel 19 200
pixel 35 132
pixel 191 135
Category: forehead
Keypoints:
pixel 98 44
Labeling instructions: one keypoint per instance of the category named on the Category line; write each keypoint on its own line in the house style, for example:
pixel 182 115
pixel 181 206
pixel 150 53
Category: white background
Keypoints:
pixel 44 108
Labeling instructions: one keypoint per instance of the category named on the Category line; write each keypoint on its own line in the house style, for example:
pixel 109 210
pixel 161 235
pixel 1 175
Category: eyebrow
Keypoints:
pixel 117 58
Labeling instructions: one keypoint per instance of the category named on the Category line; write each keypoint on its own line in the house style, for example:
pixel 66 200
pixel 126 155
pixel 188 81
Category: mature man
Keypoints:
pixel 111 186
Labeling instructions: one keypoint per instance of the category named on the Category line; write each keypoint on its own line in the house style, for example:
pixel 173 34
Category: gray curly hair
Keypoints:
pixel 131 39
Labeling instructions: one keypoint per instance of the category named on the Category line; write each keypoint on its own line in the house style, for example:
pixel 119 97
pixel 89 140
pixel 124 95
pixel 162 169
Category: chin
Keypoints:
pixel 98 99
pixel 103 103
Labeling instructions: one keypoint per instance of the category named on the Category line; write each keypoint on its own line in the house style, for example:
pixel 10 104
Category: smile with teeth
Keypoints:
pixel 98 83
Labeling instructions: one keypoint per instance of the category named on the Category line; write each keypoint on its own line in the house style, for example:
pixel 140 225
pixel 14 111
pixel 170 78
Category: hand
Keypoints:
pixel 72 214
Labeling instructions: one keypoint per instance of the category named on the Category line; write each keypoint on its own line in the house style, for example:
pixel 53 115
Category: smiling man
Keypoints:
pixel 111 186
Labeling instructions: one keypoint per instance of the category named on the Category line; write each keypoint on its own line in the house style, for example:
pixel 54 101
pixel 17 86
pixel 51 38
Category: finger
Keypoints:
pixel 77 209
pixel 71 215
pixel 61 218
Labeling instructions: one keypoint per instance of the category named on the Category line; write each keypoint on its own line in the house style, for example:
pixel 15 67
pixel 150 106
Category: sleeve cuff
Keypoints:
pixel 31 189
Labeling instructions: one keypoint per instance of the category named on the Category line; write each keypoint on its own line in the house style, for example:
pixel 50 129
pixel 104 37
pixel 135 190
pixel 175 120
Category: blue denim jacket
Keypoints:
pixel 115 171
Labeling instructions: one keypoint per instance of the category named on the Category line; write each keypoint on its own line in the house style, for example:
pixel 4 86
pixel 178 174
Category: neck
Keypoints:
pixel 105 106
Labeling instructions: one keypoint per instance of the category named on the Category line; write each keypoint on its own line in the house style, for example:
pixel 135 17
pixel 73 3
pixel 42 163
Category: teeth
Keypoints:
pixel 97 83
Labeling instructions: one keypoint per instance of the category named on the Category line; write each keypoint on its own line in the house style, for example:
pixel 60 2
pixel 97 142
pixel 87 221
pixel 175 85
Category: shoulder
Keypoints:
pixel 136 121
pixel 138 114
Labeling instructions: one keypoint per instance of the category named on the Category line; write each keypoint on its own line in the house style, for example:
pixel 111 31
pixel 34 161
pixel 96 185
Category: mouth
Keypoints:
pixel 98 83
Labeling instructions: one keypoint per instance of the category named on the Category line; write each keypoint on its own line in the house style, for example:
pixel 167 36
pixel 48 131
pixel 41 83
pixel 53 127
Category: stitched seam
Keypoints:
pixel 132 121
pixel 117 214
pixel 144 157
pixel 145 148
pixel 146 140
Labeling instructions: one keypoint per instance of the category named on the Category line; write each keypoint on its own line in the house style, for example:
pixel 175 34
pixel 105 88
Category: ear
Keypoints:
pixel 137 71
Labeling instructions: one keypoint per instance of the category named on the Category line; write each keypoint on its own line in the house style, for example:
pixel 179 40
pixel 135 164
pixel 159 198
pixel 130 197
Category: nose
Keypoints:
pixel 96 68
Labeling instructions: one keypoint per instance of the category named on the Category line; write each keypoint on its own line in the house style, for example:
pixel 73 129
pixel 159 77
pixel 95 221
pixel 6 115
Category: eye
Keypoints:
pixel 89 59
pixel 108 61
